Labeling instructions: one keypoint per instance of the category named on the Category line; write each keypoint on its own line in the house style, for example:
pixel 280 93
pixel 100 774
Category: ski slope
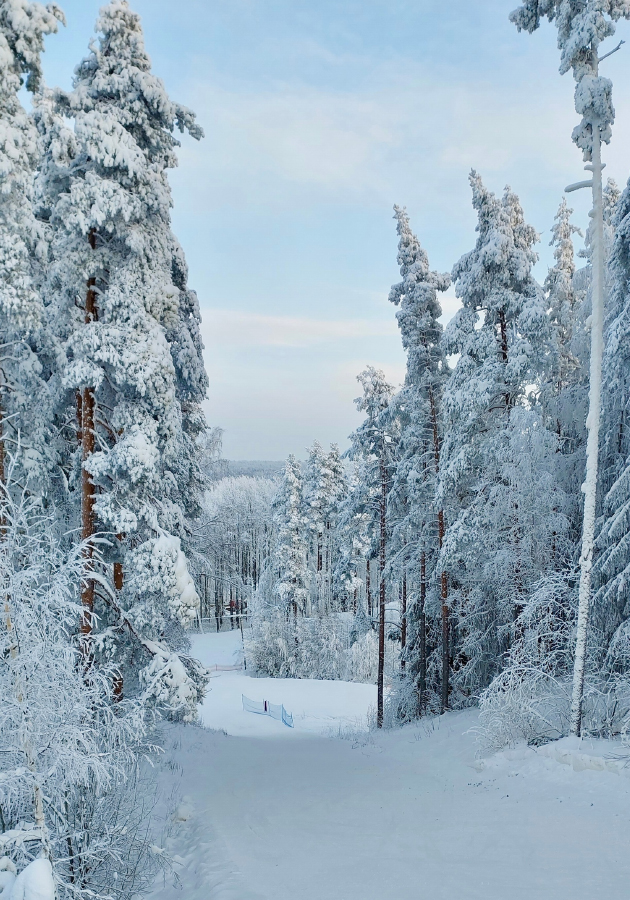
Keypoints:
pixel 405 815
pixel 318 707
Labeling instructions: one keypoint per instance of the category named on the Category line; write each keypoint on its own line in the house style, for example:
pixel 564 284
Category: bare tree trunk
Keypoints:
pixel 118 685
pixel 381 601
pixel 504 353
pixel 368 588
pixel 216 602
pixel 443 575
pixel 422 675
pixel 88 491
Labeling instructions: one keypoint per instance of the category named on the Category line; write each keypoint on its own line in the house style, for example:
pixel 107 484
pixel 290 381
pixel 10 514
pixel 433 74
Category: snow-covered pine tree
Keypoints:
pixel 324 486
pixel 288 564
pixel 126 351
pixel 375 442
pixel 582 27
pixel 492 475
pixel 611 603
pixel 563 300
pixel 23 408
pixel 417 524
pixel 563 394
pixel 355 538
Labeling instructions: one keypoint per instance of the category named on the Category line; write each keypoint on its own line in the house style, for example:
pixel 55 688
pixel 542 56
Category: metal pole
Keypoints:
pixel 592 423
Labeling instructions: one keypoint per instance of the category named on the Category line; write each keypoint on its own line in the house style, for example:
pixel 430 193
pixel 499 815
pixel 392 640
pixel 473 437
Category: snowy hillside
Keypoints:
pixel 406 814
pixel 318 707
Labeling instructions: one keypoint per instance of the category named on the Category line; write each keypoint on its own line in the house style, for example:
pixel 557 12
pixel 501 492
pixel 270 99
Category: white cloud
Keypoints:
pixel 281 146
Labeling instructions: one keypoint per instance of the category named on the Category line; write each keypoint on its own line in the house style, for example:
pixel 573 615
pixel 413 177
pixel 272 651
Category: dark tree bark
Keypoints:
pixel 403 622
pixel 88 491
pixel 422 674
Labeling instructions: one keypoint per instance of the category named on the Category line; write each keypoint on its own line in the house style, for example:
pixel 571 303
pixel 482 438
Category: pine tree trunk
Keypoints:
pixel 381 602
pixel 422 674
pixel 368 588
pixel 118 685
pixel 443 576
pixel 88 491
pixel 504 352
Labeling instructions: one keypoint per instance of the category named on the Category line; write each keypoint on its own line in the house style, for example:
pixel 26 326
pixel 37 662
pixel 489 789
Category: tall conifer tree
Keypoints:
pixel 420 525
pixel 127 348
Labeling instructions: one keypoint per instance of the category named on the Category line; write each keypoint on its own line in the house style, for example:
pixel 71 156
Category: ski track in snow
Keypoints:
pixel 272 813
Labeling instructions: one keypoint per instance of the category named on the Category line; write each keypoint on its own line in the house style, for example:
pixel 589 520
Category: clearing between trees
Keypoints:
pixel 271 812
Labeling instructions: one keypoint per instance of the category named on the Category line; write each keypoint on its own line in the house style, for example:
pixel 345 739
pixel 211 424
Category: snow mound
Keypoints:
pixel 580 754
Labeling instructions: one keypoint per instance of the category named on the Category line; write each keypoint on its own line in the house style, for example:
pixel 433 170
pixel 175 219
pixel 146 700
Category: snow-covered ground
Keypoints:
pixel 318 707
pixel 403 815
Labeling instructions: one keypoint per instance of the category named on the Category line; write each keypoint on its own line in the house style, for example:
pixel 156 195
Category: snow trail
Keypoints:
pixel 408 814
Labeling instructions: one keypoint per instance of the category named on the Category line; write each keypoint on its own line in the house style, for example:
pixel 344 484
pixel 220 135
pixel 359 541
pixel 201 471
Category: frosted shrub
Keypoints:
pixel 266 648
pixel 66 749
pixel 362 665
pixel 314 647
pixel 531 699
pixel 524 703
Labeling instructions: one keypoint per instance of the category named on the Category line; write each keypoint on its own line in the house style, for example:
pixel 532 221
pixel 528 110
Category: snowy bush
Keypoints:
pixel 322 647
pixel 362 659
pixel 65 744
pixel 530 700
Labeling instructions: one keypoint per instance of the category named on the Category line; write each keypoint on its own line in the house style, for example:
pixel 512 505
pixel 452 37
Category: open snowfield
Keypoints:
pixel 404 815
pixel 318 707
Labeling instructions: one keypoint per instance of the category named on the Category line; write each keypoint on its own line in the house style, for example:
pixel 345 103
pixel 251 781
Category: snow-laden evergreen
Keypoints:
pixel 288 564
pixel 612 568
pixel 125 351
pixel 417 524
pixel 24 409
pixel 582 27
pixel 495 477
pixel 324 486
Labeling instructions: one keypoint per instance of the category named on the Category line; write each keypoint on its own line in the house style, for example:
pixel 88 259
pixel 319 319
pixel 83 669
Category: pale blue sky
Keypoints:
pixel 319 116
